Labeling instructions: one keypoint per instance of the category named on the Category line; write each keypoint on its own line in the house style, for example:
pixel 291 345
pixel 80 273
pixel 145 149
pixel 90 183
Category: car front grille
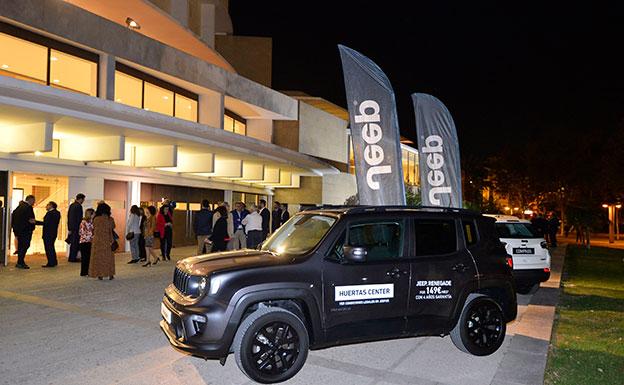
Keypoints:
pixel 185 283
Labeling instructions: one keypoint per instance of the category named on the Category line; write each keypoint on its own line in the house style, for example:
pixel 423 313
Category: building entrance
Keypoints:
pixel 45 188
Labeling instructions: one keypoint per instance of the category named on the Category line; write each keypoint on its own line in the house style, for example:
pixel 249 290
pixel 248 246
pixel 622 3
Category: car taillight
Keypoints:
pixel 544 244
pixel 509 262
pixel 546 270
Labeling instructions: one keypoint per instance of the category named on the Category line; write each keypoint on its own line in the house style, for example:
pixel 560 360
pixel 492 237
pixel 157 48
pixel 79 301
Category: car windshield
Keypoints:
pixel 515 230
pixel 299 235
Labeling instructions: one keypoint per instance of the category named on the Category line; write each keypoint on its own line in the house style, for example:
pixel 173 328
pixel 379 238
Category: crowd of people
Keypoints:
pixel 93 241
pixel 547 227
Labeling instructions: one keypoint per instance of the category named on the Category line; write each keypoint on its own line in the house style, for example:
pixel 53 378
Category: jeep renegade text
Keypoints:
pixel 344 275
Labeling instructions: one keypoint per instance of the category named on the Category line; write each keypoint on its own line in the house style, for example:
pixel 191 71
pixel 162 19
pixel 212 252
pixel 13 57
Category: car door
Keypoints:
pixel 441 268
pixel 366 300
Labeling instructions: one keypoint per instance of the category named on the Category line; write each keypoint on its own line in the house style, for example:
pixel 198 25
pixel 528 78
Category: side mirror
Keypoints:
pixel 354 254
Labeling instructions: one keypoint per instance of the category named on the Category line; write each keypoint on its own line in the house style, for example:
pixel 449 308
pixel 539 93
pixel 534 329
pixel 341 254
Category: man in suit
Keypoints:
pixel 23 224
pixel 266 218
pixel 50 232
pixel 285 214
pixel 276 215
pixel 74 217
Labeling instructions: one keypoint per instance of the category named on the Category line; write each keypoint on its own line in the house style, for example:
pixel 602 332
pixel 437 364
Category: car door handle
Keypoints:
pixel 460 268
pixel 396 273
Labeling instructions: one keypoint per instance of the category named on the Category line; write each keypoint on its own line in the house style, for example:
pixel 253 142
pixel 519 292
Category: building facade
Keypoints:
pixel 131 102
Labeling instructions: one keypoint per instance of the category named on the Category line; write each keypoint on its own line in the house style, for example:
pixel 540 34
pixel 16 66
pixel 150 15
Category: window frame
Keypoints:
pixel 235 117
pixel 344 235
pixel 144 77
pixel 458 239
pixel 52 44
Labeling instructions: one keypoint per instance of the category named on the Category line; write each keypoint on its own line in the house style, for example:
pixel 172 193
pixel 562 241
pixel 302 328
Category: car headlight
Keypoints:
pixel 203 285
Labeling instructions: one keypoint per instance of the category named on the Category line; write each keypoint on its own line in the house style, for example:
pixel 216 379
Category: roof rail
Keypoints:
pixel 364 208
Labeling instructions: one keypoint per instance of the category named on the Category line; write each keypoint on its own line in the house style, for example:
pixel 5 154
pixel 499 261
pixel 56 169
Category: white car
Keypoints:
pixel 529 251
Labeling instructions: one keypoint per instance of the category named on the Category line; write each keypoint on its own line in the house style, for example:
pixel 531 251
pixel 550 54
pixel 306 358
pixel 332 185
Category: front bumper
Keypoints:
pixel 185 332
pixel 530 277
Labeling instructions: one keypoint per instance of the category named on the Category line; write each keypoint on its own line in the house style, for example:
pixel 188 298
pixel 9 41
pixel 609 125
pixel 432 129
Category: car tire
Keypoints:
pixel 528 289
pixel 481 327
pixel 271 345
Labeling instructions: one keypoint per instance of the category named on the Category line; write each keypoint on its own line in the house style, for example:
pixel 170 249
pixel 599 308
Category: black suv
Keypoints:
pixel 336 276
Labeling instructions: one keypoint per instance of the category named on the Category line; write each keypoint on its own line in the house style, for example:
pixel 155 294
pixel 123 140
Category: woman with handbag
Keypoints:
pixel 85 232
pixel 133 233
pixel 102 262
pixel 150 236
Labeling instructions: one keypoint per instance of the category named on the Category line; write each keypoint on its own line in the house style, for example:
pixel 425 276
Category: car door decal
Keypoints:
pixel 438 289
pixel 363 294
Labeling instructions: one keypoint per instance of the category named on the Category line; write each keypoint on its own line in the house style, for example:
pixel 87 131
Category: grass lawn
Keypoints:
pixel 587 346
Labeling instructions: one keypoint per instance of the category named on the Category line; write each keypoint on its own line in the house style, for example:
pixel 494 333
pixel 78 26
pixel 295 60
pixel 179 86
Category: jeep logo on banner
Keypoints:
pixel 439 166
pixel 374 131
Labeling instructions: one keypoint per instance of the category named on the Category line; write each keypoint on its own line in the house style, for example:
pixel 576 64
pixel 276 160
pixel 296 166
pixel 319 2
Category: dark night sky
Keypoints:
pixel 509 72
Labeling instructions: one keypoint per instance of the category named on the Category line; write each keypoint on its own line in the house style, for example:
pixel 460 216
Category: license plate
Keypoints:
pixel 166 313
pixel 524 250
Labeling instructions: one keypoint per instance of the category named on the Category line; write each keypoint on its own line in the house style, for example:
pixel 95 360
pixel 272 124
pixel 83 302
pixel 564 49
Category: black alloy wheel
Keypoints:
pixel 271 345
pixel 481 327
pixel 275 348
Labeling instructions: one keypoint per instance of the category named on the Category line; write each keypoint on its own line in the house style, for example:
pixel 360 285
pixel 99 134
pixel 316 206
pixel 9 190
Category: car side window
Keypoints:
pixel 382 240
pixel 470 232
pixel 435 236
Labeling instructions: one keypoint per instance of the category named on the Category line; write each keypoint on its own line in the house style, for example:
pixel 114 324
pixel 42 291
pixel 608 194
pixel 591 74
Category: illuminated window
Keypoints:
pixel 22 59
pixel 158 99
pixel 234 123
pixel 351 157
pixel 412 168
pixel 185 108
pixel 128 90
pixel 405 165
pixel 73 73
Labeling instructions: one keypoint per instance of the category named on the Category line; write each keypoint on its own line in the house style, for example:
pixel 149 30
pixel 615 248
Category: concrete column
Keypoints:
pixel 106 81
pixel 207 23
pixel 211 109
pixel 180 11
pixel 227 196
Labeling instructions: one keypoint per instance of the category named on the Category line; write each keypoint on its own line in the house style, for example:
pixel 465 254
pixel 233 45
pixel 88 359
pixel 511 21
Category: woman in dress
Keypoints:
pixel 164 226
pixel 102 262
pixel 220 231
pixel 85 232
pixel 148 233
pixel 142 247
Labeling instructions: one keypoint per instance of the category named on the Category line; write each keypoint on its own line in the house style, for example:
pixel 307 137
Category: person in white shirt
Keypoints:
pixel 133 227
pixel 253 227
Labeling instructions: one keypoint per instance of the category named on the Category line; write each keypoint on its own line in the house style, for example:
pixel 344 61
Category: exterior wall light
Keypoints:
pixel 132 24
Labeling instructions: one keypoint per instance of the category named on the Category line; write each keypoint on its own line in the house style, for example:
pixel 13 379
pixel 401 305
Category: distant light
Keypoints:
pixel 38 153
pixel 618 206
pixel 604 205
pixel 53 58
pixel 507 208
pixel 119 99
pixel 5 66
pixel 132 24
pixel 166 97
pixel 528 212
pixel 56 81
pixel 516 208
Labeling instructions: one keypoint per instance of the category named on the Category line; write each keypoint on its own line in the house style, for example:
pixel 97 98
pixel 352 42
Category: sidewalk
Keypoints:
pixel 525 360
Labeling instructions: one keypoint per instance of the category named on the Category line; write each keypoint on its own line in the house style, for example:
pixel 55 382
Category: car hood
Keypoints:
pixel 231 260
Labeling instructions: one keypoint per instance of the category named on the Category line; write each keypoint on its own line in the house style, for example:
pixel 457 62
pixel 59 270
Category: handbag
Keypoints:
pixel 129 236
pixel 114 245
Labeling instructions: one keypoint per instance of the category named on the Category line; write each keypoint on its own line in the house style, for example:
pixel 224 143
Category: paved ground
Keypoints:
pixel 60 328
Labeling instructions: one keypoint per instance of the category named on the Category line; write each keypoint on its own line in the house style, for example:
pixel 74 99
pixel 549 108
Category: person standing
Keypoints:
pixel 102 263
pixel 50 232
pixel 150 238
pixel 285 214
pixel 133 233
pixel 253 228
pixel 142 247
pixel 86 237
pixel 164 226
pixel 23 224
pixel 239 239
pixel 276 216
pixel 202 226
pixel 266 218
pixel 219 231
pixel 553 228
pixel 74 218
